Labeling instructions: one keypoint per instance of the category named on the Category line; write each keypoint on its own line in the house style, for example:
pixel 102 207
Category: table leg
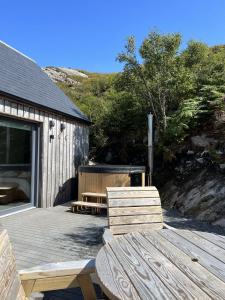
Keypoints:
pixel 98 201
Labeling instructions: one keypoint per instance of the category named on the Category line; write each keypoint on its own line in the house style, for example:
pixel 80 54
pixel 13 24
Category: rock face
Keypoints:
pixel 202 195
pixel 197 187
pixel 62 74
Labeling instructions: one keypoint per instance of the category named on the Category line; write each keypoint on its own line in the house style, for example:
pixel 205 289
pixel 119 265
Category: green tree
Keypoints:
pixel 160 80
pixel 183 89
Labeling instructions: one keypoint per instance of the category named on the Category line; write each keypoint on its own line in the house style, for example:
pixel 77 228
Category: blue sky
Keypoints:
pixel 89 34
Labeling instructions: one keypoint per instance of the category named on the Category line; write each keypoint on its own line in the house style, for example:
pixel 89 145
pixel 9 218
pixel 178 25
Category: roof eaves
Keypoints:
pixel 25 101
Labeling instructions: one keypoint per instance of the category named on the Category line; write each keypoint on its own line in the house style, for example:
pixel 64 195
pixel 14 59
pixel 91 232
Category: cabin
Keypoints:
pixel 44 137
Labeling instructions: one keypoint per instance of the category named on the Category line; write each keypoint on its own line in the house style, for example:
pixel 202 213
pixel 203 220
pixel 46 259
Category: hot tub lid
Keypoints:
pixel 120 169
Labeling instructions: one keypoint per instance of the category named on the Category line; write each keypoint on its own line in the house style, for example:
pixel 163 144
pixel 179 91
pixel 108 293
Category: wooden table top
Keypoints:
pixel 165 264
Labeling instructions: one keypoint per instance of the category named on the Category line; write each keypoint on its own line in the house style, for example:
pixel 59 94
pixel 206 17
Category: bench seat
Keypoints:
pixel 94 195
pixel 92 205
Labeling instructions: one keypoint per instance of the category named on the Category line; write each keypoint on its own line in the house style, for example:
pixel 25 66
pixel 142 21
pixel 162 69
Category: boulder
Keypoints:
pixel 202 141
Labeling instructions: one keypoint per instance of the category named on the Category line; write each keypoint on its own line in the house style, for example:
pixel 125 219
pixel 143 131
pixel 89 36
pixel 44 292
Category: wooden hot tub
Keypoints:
pixel 96 178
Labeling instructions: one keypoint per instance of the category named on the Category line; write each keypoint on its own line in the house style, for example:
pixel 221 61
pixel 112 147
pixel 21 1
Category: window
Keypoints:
pixel 15 145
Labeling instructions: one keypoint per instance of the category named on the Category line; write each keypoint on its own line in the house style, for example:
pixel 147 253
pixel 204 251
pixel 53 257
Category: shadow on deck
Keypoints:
pixel 173 219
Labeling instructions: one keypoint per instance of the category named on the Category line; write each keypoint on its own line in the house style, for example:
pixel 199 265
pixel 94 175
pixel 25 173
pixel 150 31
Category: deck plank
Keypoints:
pixel 175 280
pixel 212 264
pixel 209 283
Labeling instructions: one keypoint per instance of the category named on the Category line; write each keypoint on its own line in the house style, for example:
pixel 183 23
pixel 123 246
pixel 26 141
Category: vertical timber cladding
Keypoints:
pixel 61 155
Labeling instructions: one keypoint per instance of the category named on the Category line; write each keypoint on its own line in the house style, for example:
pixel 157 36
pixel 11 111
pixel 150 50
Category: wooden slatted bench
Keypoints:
pixel 100 197
pixel 76 204
pixel 97 196
pixel 132 209
pixel 95 206
pixel 16 285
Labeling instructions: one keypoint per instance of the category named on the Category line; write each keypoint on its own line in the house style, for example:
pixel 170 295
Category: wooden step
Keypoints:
pixel 95 207
pixel 95 195
pixel 89 204
pixel 4 199
pixel 8 185
pixel 7 188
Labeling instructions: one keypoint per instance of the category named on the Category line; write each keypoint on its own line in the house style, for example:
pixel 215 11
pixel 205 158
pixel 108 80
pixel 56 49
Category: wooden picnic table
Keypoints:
pixel 165 264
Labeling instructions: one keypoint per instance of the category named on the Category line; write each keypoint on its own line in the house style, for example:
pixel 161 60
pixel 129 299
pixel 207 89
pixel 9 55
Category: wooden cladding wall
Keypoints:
pixel 61 156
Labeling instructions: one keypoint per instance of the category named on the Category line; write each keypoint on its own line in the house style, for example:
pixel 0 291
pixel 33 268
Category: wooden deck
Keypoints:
pixel 51 235
pixel 166 264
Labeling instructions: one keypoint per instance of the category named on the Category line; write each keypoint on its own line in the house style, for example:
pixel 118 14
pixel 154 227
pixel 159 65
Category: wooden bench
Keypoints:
pixel 132 209
pixel 76 204
pixel 87 195
pixel 95 206
pixel 54 276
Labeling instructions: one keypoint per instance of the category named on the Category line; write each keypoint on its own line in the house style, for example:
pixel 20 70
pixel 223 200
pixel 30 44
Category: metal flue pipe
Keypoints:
pixel 150 149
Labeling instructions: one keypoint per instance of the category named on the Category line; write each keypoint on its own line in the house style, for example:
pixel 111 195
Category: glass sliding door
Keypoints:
pixel 18 164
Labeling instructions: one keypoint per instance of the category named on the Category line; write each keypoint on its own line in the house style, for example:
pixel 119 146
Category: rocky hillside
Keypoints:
pixel 197 187
pixel 64 75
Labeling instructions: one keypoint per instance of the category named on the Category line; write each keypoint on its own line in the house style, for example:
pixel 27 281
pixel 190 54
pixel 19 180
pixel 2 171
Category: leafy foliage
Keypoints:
pixel 161 78
pixel 182 88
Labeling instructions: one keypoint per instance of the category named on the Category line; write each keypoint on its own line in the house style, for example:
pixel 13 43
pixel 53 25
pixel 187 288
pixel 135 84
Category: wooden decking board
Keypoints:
pixel 32 254
pixel 144 280
pixel 223 237
pixel 175 280
pixel 119 281
pixel 57 243
pixel 42 241
pixel 212 264
pixel 37 244
pixel 215 288
pixel 213 238
pixel 204 244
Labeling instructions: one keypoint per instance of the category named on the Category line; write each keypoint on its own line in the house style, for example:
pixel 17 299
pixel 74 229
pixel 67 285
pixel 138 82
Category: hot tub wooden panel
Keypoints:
pixel 96 182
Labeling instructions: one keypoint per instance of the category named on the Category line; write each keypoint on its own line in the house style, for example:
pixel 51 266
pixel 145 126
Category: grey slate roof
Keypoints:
pixel 23 78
